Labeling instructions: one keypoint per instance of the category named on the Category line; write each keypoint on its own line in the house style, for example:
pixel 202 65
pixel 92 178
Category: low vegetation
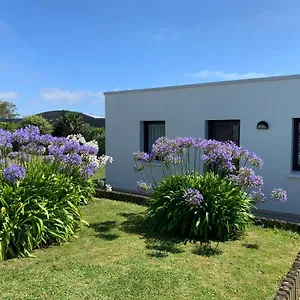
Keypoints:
pixel 117 257
pixel 208 188
pixel 42 186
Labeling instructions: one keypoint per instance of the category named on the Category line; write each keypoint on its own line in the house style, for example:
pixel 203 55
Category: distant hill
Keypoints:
pixel 54 115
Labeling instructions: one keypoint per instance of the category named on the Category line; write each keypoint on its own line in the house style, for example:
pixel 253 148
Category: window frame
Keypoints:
pixel 296 148
pixel 146 133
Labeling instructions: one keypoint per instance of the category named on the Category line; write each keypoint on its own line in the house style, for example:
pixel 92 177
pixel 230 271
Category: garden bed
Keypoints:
pixel 117 258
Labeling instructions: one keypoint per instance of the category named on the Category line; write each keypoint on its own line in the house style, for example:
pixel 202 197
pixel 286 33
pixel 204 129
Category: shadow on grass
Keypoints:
pixel 162 245
pixel 158 254
pixel 102 230
pixel 207 250
pixel 251 246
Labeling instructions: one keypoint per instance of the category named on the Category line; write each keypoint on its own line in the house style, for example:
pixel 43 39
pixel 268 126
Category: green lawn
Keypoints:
pixel 100 174
pixel 117 258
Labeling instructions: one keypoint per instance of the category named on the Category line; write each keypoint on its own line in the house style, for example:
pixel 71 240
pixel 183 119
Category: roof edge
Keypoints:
pixel 205 84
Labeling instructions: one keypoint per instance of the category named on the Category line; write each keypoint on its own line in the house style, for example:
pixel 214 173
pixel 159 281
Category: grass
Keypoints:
pixel 100 174
pixel 117 258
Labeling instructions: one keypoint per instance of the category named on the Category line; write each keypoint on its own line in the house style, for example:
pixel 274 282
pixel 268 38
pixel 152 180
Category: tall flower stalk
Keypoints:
pixel 187 155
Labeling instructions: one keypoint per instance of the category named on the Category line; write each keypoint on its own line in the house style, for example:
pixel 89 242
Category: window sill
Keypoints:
pixel 295 175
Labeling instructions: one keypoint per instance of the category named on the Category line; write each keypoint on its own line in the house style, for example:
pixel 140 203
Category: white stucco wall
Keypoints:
pixel 185 111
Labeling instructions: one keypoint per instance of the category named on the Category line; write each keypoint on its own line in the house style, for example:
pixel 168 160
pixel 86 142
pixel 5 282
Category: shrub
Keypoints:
pixel 44 126
pixel 205 207
pixel 41 187
pixel 230 180
pixel 39 210
pixel 10 126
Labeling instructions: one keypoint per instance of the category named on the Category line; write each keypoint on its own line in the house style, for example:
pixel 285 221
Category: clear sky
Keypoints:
pixel 62 54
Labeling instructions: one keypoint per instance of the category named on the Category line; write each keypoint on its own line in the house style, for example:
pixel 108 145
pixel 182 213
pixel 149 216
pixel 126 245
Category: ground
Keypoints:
pixel 116 257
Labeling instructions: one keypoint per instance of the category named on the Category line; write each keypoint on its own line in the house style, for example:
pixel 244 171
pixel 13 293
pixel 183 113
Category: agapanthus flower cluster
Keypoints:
pixel 73 154
pixel 143 186
pixel 257 196
pixel 188 155
pixel 246 178
pixel 13 173
pixel 81 140
pixel 5 140
pixel 193 197
pixel 279 194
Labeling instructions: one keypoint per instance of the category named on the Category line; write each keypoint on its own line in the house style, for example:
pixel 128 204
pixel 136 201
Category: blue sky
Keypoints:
pixel 63 54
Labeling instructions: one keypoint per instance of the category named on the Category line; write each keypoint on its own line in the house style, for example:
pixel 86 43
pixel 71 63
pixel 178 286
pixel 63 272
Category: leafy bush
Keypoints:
pixel 42 186
pixel 215 205
pixel 44 126
pixel 205 207
pixel 10 126
pixel 39 210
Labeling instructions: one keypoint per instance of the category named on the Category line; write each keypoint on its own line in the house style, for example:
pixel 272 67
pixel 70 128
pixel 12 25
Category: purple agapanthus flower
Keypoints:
pixel 5 139
pixel 88 170
pixel 29 134
pixel 143 186
pixel 14 173
pixel 72 160
pixel 87 150
pixel 55 150
pixel 257 196
pixel 46 139
pixel 218 154
pixel 246 178
pixel 143 157
pixel 193 197
pixel 279 194
pixel 139 167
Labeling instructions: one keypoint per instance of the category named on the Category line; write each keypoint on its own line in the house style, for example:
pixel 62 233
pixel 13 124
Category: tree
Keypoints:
pixel 7 110
pixel 69 123
pixel 36 120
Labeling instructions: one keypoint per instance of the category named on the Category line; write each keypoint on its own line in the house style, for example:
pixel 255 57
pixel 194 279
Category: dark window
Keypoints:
pixel 296 146
pixel 152 131
pixel 224 130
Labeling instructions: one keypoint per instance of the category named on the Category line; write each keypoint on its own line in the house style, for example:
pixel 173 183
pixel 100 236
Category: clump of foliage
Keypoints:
pixel 8 110
pixel 42 186
pixel 206 207
pixel 44 126
pixel 10 126
pixel 208 187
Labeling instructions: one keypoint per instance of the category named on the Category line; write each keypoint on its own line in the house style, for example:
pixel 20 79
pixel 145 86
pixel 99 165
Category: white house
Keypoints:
pixel 220 110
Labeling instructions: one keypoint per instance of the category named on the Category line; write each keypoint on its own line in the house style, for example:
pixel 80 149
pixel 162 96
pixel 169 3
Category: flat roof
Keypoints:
pixel 216 83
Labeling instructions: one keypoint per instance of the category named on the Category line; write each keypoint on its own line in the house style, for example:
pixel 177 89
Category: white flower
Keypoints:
pixel 77 137
pixel 108 188
pixel 104 159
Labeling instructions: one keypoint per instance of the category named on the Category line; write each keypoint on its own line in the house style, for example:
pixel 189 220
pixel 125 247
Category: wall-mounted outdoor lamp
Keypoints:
pixel 262 125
